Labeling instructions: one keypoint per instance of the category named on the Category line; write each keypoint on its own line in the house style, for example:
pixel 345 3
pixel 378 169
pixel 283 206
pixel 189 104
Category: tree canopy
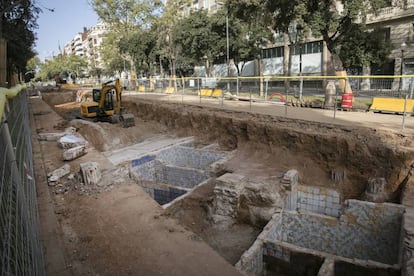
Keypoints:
pixel 17 25
pixel 341 24
pixel 63 66
pixel 126 18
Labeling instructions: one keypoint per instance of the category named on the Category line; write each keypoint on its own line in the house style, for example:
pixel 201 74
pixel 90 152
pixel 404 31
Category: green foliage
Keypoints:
pixel 33 64
pixel 364 47
pixel 167 50
pixel 140 46
pixel 17 25
pixel 202 36
pixel 63 66
pixel 196 38
pixel 341 24
pixel 111 55
pixel 126 18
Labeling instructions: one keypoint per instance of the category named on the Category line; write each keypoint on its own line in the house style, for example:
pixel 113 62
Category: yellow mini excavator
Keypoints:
pixel 107 105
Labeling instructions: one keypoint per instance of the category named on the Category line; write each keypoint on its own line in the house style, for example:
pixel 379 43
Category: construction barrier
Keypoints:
pixel 347 99
pixel 141 88
pixel 169 90
pixel 217 93
pixel 206 92
pixel 391 105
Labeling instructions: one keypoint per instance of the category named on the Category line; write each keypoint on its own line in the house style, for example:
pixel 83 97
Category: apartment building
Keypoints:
pixel 397 23
pixel 93 42
pixel 87 44
pixel 312 57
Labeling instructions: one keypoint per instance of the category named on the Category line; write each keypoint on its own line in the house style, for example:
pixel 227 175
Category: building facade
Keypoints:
pixel 397 23
pixel 87 44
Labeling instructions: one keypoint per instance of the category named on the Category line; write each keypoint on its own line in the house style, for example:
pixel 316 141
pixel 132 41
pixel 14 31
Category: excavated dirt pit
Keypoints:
pixel 172 172
pixel 230 176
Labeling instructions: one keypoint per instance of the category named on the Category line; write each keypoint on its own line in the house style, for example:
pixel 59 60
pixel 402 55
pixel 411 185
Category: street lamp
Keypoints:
pixel 403 46
pixel 299 29
pixel 228 50
pixel 295 38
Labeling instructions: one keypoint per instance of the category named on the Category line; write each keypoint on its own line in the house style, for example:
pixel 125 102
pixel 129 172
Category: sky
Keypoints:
pixel 60 26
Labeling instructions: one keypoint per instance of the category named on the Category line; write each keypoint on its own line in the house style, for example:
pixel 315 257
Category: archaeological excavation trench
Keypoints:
pixel 271 195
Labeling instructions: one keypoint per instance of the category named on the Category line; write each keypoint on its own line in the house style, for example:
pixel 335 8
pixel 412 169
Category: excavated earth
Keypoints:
pixel 91 222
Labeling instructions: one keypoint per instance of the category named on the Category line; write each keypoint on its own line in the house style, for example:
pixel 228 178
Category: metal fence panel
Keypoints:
pixel 20 247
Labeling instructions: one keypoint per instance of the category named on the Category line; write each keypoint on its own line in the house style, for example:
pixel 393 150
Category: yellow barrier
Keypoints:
pixel 69 85
pixel 169 90
pixel 391 105
pixel 206 92
pixel 141 88
pixel 217 93
pixel 8 94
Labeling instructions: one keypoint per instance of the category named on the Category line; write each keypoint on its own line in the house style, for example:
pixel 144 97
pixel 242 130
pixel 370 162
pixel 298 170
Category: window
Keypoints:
pixel 272 52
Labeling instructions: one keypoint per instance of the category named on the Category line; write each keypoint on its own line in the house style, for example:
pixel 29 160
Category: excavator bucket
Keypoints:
pixel 127 120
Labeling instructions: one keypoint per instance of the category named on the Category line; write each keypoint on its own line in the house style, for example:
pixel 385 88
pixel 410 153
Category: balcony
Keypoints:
pixel 392 13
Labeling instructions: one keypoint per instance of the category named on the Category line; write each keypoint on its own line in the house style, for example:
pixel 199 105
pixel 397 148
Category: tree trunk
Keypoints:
pixel 286 62
pixel 344 84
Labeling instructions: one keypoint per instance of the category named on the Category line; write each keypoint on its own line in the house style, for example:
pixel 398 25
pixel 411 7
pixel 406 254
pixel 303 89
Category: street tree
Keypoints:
pixel 33 64
pixel 197 41
pixel 165 27
pixel 141 47
pixel 62 67
pixel 338 23
pixel 124 17
pixel 17 25
pixel 202 39
pixel 167 50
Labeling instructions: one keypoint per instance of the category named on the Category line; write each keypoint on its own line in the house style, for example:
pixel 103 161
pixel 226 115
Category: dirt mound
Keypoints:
pixel 106 136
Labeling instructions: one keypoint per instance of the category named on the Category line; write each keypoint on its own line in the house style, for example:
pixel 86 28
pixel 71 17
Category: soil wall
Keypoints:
pixel 344 155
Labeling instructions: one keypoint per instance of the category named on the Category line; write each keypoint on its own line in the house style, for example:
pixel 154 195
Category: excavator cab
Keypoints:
pixel 106 105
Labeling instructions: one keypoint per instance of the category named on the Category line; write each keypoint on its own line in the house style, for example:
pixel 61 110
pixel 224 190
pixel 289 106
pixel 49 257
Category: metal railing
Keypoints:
pixel 262 87
pixel 293 91
pixel 20 247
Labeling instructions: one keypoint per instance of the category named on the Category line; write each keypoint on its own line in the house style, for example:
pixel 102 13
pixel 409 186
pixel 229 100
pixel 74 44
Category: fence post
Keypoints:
pixel 335 103
pixel 182 95
pixel 222 98
pixel 237 85
pixel 405 112
pixel 286 103
pixel 250 106
pixel 198 86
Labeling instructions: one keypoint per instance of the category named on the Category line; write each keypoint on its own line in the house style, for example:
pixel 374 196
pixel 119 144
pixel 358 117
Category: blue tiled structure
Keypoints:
pixel 366 234
pixel 178 169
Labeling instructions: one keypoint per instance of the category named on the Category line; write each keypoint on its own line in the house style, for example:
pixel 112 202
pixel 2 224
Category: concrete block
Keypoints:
pixel 91 173
pixel 54 136
pixel 292 176
pixel 74 153
pixel 70 141
pixel 230 181
pixel 54 176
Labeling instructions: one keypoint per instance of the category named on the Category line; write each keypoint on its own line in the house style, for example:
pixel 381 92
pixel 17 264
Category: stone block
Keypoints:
pixel 230 181
pixel 70 141
pixel 74 153
pixel 91 173
pixel 54 176
pixel 53 136
pixel 291 176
